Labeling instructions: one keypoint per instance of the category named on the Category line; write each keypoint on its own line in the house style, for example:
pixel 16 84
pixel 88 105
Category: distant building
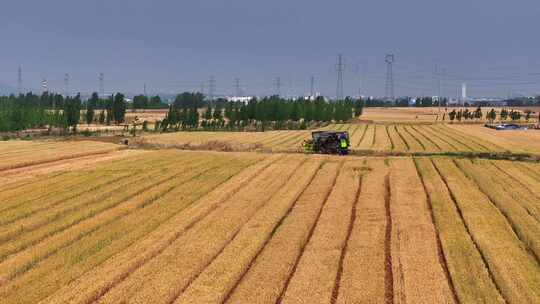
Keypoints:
pixel 244 99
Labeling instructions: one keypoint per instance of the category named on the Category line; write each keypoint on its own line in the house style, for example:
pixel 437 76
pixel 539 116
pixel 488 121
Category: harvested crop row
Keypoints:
pixel 84 183
pixel 368 138
pixel 382 142
pixel 412 142
pixel 514 270
pixel 109 203
pixel 193 251
pixel 112 236
pixel 418 274
pixel 93 284
pixel 426 141
pixel 443 143
pixel 481 143
pixel 466 144
pixel 235 259
pixel 125 203
pixel 469 273
pixel 314 279
pixel 57 183
pixel 268 273
pixel 365 277
pixel 398 143
pixel 527 188
pixel 358 136
pixel 519 212
pixel 68 153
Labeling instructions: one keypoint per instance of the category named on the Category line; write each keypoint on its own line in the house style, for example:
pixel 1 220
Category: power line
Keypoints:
pixel 19 80
pixel 340 67
pixel 211 88
pixel 389 88
pixel 102 85
pixel 278 86
pixel 66 84
pixel 237 91
pixel 312 86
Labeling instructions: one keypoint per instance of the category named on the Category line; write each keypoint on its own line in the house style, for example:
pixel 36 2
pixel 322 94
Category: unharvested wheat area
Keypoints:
pixel 94 222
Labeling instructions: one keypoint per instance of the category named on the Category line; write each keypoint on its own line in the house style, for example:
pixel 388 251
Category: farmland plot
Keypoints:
pixel 16 154
pixel 208 227
pixel 381 139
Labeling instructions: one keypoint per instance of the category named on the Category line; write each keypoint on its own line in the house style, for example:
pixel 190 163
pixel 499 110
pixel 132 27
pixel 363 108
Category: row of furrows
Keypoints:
pixel 164 242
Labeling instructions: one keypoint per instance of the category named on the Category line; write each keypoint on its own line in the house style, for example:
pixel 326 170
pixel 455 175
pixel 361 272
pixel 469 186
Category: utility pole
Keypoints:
pixel 312 87
pixel 237 90
pixel 340 67
pixel 66 84
pixel 278 86
pixel 19 80
pixel 211 88
pixel 102 85
pixel 389 89
pixel 144 91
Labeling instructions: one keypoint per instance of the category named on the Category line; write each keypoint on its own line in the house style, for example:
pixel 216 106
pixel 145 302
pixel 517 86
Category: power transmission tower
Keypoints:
pixel 102 85
pixel 237 90
pixel 211 88
pixel 144 90
pixel 44 86
pixel 340 67
pixel 203 87
pixel 312 87
pixel 19 80
pixel 389 89
pixel 278 86
pixel 66 84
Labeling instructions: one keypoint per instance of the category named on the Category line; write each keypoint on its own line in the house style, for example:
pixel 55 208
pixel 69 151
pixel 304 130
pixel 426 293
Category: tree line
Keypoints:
pixel 56 111
pixel 190 111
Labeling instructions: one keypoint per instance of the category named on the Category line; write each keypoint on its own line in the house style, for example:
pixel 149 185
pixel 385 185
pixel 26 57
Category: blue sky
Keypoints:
pixel 174 46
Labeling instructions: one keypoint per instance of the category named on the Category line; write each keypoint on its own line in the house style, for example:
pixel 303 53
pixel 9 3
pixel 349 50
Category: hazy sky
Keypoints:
pixel 175 45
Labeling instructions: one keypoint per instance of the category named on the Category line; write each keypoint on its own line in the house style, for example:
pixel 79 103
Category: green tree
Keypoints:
pixel 119 108
pixel 72 110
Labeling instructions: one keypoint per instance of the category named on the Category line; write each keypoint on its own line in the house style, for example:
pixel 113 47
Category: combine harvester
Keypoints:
pixel 328 142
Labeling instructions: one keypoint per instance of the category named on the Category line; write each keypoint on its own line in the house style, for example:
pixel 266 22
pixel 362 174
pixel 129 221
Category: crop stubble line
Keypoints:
pixel 440 249
pixel 271 235
pixel 414 137
pixel 352 221
pixel 65 157
pixel 402 138
pixel 392 145
pixel 310 234
pixel 434 134
pixel 457 139
pixel 362 136
pixel 81 179
pixel 59 203
pixel 125 275
pixel 175 296
pixel 29 265
pixel 512 177
pixel 460 212
pixel 388 275
pixel 510 222
pixel 427 138
pixel 82 219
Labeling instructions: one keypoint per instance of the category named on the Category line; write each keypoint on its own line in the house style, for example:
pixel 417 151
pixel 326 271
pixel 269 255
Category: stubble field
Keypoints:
pixel 372 138
pixel 173 226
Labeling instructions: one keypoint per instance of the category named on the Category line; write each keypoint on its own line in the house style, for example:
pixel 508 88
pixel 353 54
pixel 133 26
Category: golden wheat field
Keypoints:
pixel 387 138
pixel 172 226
